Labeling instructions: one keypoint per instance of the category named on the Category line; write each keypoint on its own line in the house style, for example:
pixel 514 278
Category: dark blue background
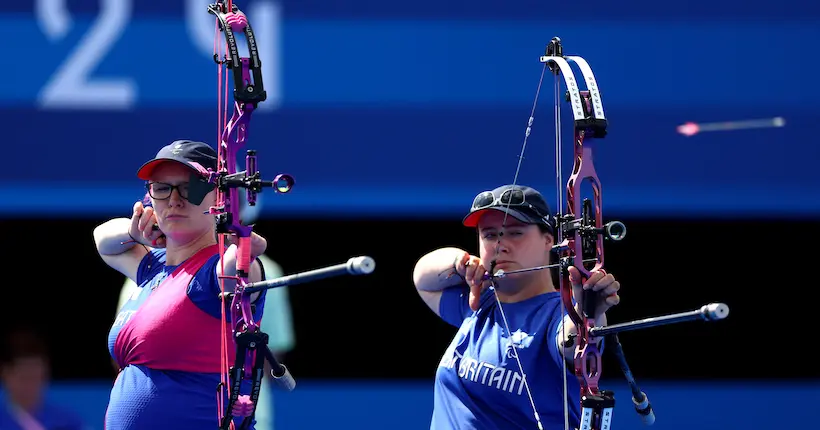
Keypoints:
pixel 412 107
pixel 407 405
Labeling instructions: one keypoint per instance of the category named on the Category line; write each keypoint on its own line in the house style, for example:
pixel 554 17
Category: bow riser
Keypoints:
pixel 581 227
pixel 580 246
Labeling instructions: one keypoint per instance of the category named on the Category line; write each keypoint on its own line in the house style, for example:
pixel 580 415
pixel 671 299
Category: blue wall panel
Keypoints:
pixel 403 405
pixel 387 108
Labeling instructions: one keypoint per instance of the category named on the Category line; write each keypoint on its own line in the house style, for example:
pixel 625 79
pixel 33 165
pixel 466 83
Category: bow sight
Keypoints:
pixel 251 181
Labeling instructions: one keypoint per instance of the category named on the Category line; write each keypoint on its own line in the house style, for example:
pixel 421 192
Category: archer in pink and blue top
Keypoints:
pixel 167 338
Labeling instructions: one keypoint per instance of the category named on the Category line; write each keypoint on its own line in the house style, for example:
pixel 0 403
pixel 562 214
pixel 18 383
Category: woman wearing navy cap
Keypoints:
pixel 478 382
pixel 166 339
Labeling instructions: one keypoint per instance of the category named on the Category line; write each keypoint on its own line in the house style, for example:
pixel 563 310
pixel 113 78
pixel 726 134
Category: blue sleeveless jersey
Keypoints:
pixel 479 384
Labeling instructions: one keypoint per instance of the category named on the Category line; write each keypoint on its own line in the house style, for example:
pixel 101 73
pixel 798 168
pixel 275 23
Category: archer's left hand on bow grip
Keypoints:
pixel 258 243
pixel 596 294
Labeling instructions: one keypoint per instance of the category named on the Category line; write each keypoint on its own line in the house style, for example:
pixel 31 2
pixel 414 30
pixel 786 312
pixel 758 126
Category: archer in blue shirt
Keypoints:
pixel 505 362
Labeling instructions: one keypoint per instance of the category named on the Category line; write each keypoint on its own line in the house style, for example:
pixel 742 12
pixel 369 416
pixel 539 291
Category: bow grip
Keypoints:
pixel 590 301
pixel 243 257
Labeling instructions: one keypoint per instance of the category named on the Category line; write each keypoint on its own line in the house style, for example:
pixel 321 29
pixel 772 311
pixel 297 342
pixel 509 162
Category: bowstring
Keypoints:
pixel 222 347
pixel 222 120
pixel 513 346
pixel 559 182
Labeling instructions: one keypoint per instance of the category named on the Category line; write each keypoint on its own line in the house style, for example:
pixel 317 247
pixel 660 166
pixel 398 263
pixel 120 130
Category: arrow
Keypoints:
pixel 692 128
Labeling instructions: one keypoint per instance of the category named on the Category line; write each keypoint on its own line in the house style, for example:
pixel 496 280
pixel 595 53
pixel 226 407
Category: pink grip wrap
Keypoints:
pixel 243 406
pixel 237 21
pixel 243 254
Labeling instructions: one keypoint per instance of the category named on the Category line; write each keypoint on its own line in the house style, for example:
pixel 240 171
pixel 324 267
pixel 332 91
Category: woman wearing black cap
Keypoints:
pixel 167 338
pixel 479 382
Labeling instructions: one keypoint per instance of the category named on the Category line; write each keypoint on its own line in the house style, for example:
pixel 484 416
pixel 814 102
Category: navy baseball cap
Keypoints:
pixel 524 203
pixel 198 156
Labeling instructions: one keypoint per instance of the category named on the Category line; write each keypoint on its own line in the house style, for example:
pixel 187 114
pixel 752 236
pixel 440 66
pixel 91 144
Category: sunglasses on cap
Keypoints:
pixel 511 198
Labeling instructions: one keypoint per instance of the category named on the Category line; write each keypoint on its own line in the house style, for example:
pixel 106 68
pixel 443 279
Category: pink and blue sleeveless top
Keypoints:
pixel 166 340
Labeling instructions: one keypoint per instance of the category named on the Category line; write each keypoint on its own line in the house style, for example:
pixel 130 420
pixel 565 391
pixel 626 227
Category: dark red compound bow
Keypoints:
pixel 248 340
pixel 580 243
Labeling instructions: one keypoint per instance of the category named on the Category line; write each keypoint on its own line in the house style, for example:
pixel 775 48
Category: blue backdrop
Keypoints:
pixel 403 405
pixel 412 107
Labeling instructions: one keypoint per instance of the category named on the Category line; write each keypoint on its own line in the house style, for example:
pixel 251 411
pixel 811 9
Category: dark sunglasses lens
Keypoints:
pixel 512 197
pixel 483 200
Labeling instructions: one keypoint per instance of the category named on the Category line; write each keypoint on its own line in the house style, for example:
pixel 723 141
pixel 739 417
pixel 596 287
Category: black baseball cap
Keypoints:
pixel 524 203
pixel 198 156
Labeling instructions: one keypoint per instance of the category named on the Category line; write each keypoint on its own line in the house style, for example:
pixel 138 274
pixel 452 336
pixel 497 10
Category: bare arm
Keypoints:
pixel 117 240
pixel 117 248
pixel 436 271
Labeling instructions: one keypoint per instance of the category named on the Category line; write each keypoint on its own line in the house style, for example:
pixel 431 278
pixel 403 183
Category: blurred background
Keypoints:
pixel 392 115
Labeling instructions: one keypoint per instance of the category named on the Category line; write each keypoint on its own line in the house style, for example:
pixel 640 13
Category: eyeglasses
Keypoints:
pixel 162 191
pixel 512 197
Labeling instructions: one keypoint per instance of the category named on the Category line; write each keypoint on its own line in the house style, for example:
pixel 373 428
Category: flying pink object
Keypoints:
pixel 692 128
